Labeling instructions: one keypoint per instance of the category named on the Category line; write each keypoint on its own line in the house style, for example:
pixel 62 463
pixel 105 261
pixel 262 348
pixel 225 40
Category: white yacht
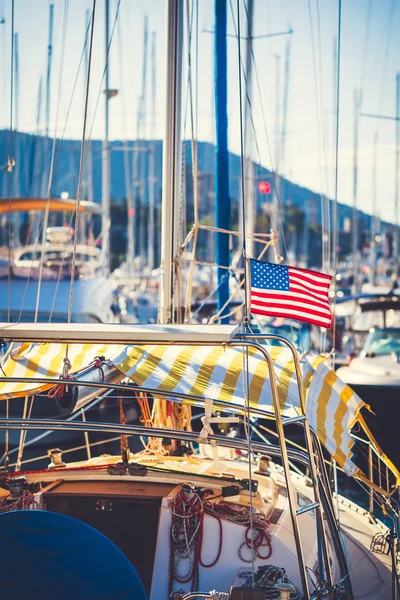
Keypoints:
pixel 46 269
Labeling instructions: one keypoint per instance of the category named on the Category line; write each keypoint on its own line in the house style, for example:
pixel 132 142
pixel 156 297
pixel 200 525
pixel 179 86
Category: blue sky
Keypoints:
pixel 370 60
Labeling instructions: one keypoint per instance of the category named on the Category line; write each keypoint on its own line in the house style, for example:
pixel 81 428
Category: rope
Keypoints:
pixel 186 535
pixel 25 501
pixel 335 216
pixel 260 543
pixel 267 577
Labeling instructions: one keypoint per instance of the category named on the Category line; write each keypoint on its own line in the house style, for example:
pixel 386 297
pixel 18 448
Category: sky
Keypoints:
pixel 369 61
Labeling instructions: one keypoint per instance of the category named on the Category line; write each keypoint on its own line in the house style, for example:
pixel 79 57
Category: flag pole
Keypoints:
pixel 247 285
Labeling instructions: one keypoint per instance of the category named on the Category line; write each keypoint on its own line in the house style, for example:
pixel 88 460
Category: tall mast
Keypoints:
pixel 105 221
pixel 374 217
pixel 277 178
pixel 46 162
pixel 396 118
pixel 16 217
pixel 355 229
pixel 396 179
pixel 221 180
pixel 285 103
pixel 141 135
pixel 89 164
pixel 138 161
pixel 251 209
pixel 49 58
pixel 150 248
pixel 171 181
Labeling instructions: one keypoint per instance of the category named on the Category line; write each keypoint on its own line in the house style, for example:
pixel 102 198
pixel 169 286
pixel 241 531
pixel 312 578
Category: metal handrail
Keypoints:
pixel 324 560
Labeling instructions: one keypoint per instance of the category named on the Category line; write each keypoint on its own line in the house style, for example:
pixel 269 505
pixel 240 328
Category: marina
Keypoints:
pixel 199 368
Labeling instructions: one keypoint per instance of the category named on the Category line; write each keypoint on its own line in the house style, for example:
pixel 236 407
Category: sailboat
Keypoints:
pixel 35 285
pixel 196 514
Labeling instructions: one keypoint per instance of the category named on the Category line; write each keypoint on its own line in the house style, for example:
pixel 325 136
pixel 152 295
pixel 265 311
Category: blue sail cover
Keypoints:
pixel 51 556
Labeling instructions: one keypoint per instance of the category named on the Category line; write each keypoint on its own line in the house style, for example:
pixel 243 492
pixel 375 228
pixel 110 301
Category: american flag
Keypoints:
pixel 281 291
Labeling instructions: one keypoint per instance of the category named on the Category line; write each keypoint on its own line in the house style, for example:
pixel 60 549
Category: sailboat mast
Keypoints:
pixel 105 222
pixel 171 181
pixel 251 209
pixel 374 219
pixel 49 57
pixel 150 247
pixel 46 162
pixel 89 165
pixel 16 217
pixel 355 229
pixel 277 178
pixel 396 179
pixel 221 180
pixel 142 136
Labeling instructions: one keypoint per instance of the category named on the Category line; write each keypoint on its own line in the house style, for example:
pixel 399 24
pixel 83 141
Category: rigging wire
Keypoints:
pixel 335 211
pixel 51 174
pixel 78 195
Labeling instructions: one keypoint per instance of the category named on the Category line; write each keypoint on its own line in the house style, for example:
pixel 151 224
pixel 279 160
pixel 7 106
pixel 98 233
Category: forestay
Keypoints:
pixel 211 372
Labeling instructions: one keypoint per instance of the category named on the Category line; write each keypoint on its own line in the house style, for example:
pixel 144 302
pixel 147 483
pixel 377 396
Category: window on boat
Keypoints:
pixel 382 342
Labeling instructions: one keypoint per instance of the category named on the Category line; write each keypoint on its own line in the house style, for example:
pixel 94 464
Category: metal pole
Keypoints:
pixel 374 218
pixel 285 461
pixel 89 166
pixel 371 478
pixel 141 208
pixel 396 179
pixel 48 78
pixel 355 229
pixel 46 165
pixel 16 218
pixel 250 195
pixel 86 436
pixel 221 181
pixel 150 248
pixel 171 181
pixel 309 446
pixel 105 183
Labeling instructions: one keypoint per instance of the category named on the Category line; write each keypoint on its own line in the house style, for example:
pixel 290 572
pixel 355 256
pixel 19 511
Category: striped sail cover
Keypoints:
pixel 46 361
pixel 210 372
pixel 217 373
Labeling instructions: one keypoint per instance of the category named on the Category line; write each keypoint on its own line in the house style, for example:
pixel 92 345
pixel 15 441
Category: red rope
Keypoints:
pixel 187 531
pixel 8 475
pixel 99 362
pixel 58 390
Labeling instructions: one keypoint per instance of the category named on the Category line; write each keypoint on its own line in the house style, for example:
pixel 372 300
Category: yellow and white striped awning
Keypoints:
pixel 45 361
pixel 209 372
pixel 217 373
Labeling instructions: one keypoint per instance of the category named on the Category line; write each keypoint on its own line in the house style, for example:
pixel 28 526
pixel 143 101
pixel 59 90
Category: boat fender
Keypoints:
pixel 67 401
